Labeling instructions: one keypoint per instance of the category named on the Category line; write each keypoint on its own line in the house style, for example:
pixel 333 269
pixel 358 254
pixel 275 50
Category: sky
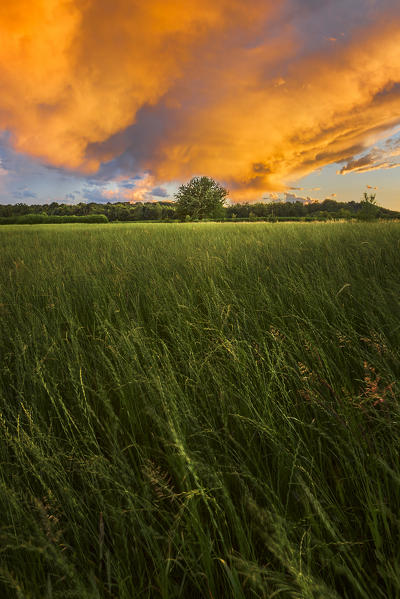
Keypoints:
pixel 126 100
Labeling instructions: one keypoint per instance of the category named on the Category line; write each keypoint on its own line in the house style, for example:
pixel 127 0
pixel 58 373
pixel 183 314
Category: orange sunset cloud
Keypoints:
pixel 235 92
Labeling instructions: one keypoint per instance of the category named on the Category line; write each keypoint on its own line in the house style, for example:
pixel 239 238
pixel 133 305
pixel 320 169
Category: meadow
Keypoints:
pixel 200 410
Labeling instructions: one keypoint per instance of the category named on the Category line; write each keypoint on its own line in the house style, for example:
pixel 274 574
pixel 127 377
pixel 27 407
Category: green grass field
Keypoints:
pixel 200 411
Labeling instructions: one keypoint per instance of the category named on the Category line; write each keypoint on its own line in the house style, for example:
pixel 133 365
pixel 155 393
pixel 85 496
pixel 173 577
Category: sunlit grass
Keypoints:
pixel 206 410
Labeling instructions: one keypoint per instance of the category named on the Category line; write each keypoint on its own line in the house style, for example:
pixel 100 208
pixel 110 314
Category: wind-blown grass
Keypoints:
pixel 200 411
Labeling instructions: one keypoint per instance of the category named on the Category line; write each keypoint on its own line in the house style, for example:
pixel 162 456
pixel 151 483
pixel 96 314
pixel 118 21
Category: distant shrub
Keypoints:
pixel 32 219
pixel 40 219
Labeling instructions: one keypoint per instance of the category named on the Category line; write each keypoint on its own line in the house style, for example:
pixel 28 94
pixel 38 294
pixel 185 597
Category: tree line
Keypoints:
pixel 200 199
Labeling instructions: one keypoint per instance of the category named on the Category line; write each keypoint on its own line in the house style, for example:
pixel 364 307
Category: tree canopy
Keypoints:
pixel 201 198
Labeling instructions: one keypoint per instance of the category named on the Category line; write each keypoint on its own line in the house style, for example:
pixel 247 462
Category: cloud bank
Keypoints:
pixel 255 96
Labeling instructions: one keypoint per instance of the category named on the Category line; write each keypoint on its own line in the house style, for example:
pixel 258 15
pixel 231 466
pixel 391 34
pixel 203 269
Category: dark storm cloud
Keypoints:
pixel 159 192
pixel 24 195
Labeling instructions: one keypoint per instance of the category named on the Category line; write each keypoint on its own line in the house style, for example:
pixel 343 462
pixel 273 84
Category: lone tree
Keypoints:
pixel 201 198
